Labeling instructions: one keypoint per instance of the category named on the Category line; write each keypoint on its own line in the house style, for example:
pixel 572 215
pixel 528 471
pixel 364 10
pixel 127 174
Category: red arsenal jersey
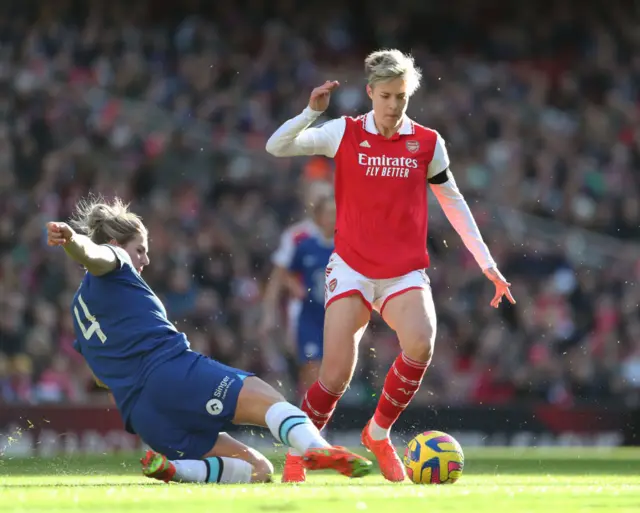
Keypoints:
pixel 380 189
pixel 381 197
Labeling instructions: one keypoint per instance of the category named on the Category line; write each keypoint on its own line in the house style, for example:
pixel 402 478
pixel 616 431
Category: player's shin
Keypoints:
pixel 401 384
pixel 319 403
pixel 214 470
pixel 221 470
pixel 291 426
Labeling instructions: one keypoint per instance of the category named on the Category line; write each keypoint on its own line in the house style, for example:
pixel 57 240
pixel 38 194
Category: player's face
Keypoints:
pixel 138 250
pixel 390 101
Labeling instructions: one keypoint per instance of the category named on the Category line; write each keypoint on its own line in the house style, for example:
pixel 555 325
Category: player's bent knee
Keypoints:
pixel 420 350
pixel 254 386
pixel 254 400
pixel 419 345
pixel 262 471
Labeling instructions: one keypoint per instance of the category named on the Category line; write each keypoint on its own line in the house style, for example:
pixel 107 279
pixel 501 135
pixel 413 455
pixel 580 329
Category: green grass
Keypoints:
pixel 494 480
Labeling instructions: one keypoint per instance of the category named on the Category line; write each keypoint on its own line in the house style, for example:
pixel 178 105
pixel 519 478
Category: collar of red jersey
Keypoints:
pixel 406 128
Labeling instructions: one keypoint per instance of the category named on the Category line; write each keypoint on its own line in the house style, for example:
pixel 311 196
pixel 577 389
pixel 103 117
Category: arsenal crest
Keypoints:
pixel 332 285
pixel 413 146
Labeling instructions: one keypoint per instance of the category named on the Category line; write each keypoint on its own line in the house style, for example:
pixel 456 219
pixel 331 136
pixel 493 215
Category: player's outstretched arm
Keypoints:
pixel 295 138
pixel 455 206
pixel 459 214
pixel 96 259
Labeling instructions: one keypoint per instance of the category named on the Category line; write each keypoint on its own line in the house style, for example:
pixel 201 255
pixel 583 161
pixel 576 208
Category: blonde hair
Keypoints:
pixel 387 65
pixel 103 221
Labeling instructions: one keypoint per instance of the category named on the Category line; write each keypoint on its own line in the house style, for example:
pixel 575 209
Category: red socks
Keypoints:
pixel 401 384
pixel 319 404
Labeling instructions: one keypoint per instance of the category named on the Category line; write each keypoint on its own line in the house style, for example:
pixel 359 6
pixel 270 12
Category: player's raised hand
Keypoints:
pixel 502 287
pixel 320 96
pixel 59 234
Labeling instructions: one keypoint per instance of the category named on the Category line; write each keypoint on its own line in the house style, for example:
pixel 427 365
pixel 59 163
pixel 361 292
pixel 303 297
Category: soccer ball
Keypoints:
pixel 434 457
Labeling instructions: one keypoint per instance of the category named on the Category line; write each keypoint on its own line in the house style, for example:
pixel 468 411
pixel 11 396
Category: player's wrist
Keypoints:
pixel 311 112
pixel 72 242
pixel 490 269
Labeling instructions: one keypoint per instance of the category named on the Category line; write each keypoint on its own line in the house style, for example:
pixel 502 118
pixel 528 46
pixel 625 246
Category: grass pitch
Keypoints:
pixel 494 480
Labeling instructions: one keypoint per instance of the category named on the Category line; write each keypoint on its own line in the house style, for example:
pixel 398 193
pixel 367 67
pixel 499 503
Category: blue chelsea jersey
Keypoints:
pixel 122 330
pixel 310 262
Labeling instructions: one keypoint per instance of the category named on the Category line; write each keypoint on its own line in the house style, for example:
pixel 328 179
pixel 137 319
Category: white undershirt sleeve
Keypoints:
pixel 459 215
pixel 440 160
pixel 295 138
pixel 283 256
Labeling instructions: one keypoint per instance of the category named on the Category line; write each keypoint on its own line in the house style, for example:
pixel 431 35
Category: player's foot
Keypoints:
pixel 339 459
pixel 157 466
pixel 391 465
pixel 294 470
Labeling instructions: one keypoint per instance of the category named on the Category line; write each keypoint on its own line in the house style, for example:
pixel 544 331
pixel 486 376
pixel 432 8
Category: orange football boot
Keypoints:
pixel 391 465
pixel 157 466
pixel 294 470
pixel 337 458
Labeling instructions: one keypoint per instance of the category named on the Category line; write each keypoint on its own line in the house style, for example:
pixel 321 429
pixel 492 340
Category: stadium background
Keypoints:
pixel 169 105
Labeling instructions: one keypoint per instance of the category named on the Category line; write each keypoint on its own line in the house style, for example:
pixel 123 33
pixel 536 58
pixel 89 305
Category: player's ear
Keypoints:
pixel 114 242
pixel 370 91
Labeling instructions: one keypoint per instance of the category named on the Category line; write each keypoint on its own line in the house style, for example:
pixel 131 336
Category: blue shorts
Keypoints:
pixel 310 335
pixel 185 403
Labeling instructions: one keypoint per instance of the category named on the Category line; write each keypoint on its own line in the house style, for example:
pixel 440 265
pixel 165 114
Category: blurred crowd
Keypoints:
pixel 170 106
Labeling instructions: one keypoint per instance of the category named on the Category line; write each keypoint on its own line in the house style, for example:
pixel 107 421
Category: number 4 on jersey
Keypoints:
pixel 94 327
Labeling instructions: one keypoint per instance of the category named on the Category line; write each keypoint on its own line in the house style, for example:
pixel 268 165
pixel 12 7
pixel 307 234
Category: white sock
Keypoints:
pixel 213 470
pixel 291 426
pixel 293 452
pixel 377 432
pixel 233 470
pixel 190 471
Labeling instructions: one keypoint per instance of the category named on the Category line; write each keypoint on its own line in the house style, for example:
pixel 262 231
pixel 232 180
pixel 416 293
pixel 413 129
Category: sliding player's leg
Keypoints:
pixel 189 400
pixel 230 461
pixel 261 405
pixel 181 413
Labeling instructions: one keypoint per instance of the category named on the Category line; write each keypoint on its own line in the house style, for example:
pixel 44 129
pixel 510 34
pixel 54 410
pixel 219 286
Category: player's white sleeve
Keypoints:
pixel 440 160
pixel 295 138
pixel 283 256
pixel 459 215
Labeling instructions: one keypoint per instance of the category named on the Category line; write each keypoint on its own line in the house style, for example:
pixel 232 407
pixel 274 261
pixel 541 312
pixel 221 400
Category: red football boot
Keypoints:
pixel 157 466
pixel 294 470
pixel 339 459
pixel 391 465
